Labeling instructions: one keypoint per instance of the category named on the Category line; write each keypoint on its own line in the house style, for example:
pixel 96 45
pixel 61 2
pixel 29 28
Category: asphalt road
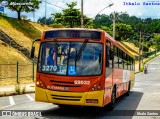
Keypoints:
pixel 144 96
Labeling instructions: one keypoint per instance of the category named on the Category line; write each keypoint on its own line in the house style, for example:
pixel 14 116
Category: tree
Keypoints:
pixel 102 20
pixel 156 42
pixel 23 17
pixel 23 6
pixel 44 20
pixel 107 29
pixel 123 31
pixel 70 17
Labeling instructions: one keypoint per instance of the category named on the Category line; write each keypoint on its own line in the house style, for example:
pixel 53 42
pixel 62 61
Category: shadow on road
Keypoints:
pixel 125 108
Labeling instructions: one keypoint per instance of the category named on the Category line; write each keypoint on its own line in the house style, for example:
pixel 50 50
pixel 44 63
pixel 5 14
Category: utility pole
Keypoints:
pixel 81 13
pixel 140 52
pixel 33 16
pixel 114 24
pixel 45 11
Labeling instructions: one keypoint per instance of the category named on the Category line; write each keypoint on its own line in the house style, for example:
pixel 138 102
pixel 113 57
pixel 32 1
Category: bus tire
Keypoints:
pixel 113 99
pixel 62 106
pixel 129 88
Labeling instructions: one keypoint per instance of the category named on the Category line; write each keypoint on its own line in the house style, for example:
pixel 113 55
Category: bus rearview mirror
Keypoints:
pixel 32 52
pixel 33 48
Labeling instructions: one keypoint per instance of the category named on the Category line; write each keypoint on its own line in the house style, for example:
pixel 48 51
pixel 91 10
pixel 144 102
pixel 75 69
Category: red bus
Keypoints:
pixel 82 67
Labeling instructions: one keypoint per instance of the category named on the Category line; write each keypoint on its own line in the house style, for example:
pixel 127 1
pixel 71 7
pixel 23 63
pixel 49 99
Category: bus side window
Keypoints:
pixel 108 61
pixel 120 59
pixel 125 62
pixel 132 64
pixel 107 57
pixel 115 57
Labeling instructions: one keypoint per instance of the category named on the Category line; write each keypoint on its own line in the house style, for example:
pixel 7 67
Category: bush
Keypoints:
pixel 59 25
pixel 23 89
pixel 17 89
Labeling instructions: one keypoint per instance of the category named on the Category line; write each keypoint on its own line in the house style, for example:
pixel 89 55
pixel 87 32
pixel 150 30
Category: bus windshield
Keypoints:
pixel 61 60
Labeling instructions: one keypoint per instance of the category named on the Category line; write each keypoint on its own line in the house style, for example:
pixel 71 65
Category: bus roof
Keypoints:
pixel 87 29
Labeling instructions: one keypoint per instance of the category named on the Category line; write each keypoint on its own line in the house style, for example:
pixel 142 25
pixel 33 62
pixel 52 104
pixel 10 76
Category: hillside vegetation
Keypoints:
pixel 11 55
pixel 22 32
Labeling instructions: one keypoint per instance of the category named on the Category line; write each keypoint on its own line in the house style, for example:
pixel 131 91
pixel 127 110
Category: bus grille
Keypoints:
pixel 65 84
pixel 67 98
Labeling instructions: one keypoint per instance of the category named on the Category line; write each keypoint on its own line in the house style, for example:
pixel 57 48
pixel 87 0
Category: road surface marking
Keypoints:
pixel 11 100
pixel 30 98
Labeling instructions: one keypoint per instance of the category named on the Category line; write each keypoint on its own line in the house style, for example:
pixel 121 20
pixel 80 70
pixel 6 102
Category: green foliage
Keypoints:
pixel 70 17
pixel 102 20
pixel 128 40
pixel 145 48
pixel 23 8
pixel 56 25
pixel 147 25
pixel 156 41
pixel 17 89
pixel 44 20
pixel 3 14
pixel 24 17
pixel 107 29
pixel 123 31
pixel 24 90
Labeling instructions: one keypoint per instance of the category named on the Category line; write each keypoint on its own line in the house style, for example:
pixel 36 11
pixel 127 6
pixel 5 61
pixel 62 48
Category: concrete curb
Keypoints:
pixel 11 89
pixel 14 93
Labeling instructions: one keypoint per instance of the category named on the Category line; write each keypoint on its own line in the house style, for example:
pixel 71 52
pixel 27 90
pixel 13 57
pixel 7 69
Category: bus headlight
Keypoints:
pixel 40 84
pixel 98 87
pixel 93 88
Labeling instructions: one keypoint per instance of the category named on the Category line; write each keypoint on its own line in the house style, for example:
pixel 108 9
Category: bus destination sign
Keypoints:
pixel 73 34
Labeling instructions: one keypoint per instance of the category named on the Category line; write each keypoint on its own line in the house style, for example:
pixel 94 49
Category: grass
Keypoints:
pixel 22 32
pixel 11 55
pixel 24 27
pixel 17 89
pixel 24 90
pixel 32 86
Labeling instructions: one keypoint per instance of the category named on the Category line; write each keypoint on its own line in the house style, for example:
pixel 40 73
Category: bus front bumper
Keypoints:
pixel 93 98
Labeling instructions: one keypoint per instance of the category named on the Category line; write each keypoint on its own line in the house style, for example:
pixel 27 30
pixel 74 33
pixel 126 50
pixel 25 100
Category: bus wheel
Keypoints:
pixel 129 87
pixel 113 99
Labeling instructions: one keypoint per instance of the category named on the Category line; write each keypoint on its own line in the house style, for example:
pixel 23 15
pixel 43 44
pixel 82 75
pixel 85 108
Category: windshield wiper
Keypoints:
pixel 78 55
pixel 56 45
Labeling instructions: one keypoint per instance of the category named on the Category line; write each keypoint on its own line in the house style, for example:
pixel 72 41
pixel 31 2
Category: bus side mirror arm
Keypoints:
pixel 33 48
